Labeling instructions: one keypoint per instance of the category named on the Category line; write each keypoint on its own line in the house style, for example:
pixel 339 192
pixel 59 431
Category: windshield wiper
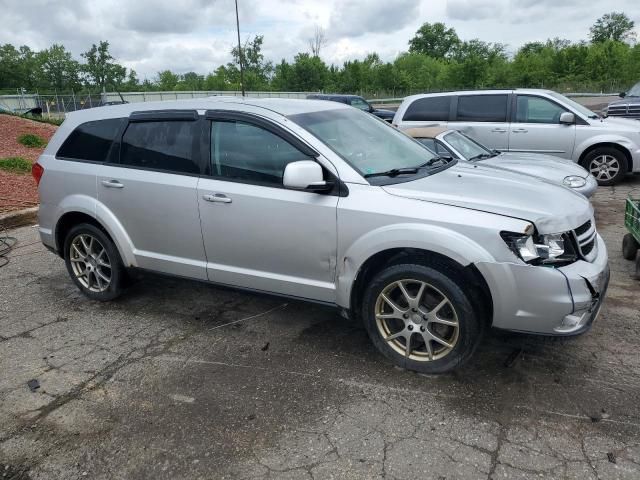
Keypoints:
pixel 482 156
pixel 394 172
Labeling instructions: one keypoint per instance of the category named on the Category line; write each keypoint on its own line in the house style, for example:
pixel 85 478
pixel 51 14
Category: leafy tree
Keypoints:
pixel 257 71
pixel 612 26
pixel 434 40
pixel 191 81
pixel 58 68
pixel 167 80
pixel 100 69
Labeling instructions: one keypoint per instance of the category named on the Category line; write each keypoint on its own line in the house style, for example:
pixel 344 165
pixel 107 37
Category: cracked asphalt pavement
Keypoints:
pixel 184 380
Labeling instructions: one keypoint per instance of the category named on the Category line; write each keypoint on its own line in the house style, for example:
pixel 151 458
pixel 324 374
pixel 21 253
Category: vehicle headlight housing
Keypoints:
pixel 554 249
pixel 574 181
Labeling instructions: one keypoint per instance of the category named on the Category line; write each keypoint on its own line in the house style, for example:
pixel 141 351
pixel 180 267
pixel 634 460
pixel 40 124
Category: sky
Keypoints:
pixel 197 35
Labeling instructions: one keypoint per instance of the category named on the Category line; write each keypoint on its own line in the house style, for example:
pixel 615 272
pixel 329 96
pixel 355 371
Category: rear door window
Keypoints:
pixel 482 108
pixel 161 145
pixel 91 141
pixel 429 109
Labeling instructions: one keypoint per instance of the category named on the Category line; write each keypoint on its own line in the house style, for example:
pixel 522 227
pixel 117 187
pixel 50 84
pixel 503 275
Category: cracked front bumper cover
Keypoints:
pixel 548 301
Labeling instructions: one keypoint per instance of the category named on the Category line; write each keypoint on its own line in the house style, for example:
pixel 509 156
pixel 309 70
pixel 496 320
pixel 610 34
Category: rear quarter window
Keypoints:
pixel 429 109
pixel 91 141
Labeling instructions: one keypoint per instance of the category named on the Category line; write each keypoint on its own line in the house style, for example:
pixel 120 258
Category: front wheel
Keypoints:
pixel 93 262
pixel 421 319
pixel 607 165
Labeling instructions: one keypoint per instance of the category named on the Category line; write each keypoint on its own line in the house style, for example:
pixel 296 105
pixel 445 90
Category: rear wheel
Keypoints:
pixel 421 319
pixel 629 247
pixel 607 165
pixel 93 262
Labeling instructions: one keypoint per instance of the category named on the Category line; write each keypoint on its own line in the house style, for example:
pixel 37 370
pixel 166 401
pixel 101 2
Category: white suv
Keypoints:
pixel 323 202
pixel 536 121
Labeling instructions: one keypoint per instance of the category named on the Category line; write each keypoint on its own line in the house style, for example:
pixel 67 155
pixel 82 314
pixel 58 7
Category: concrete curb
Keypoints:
pixel 18 218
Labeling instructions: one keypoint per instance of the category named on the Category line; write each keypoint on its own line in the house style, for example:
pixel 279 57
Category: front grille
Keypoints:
pixel 585 237
pixel 632 111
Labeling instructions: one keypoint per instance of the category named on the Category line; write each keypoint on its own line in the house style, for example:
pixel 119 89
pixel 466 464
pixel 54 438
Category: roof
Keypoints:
pixel 425 132
pixel 477 92
pixel 282 106
pixel 332 95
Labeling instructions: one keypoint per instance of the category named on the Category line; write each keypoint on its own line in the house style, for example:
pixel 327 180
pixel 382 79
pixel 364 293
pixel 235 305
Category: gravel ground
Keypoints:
pixel 19 191
pixel 183 380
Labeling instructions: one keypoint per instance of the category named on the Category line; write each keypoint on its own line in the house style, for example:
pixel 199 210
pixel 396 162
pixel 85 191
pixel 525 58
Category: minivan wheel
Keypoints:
pixel 607 165
pixel 93 262
pixel 421 319
pixel 629 247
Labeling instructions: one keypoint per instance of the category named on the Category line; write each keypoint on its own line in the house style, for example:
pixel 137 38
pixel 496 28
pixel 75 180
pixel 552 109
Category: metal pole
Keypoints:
pixel 239 50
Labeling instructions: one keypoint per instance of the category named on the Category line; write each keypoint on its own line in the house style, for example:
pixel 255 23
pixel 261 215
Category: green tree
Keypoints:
pixel 101 71
pixel 167 80
pixel 612 26
pixel 257 71
pixel 435 40
pixel 58 69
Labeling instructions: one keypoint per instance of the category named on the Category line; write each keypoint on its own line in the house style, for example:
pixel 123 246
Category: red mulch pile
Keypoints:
pixel 19 191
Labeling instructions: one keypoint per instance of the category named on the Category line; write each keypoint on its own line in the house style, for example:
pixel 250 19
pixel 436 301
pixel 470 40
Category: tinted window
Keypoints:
pixel 360 103
pixel 91 140
pixel 244 152
pixel 430 108
pixel 165 146
pixel 537 110
pixel 482 108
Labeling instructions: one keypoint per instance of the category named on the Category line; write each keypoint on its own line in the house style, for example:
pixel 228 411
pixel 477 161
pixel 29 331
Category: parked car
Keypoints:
pixel 355 101
pixel 321 202
pixel 447 142
pixel 628 107
pixel 534 121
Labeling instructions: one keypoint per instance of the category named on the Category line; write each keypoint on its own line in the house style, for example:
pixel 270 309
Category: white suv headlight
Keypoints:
pixel 574 181
pixel 555 248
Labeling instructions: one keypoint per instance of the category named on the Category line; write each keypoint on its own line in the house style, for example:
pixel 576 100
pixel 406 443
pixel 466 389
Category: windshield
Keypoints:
pixel 367 143
pixel 468 148
pixel 634 91
pixel 581 109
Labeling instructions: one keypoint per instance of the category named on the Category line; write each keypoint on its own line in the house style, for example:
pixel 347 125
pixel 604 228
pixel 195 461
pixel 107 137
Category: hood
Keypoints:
pixel 543 166
pixel 382 113
pixel 550 207
pixel 616 123
pixel 625 101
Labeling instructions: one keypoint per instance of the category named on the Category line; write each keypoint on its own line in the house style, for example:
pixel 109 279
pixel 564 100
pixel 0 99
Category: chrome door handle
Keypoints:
pixel 499 130
pixel 216 197
pixel 519 130
pixel 112 184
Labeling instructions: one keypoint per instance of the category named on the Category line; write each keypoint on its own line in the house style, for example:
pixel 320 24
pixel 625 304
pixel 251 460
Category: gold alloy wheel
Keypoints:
pixel 90 263
pixel 417 320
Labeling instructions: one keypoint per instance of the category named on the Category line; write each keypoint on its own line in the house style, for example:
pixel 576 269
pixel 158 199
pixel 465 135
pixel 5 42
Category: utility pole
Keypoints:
pixel 239 50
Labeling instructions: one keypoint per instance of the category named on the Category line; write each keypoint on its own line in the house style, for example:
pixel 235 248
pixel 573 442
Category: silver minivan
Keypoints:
pixel 322 202
pixel 534 121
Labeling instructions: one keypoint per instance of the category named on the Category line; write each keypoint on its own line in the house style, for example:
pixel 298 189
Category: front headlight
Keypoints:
pixel 550 249
pixel 574 181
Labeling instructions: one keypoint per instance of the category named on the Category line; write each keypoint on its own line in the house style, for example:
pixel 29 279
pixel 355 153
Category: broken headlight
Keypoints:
pixel 550 249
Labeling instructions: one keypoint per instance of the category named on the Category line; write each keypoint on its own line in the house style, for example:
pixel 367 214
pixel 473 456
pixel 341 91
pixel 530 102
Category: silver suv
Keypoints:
pixel 535 121
pixel 323 202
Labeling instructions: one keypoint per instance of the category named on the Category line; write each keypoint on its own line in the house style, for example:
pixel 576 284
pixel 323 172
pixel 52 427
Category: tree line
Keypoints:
pixel 436 59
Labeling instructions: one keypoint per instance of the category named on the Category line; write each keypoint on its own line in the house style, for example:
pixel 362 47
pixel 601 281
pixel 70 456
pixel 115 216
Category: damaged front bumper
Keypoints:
pixel 545 300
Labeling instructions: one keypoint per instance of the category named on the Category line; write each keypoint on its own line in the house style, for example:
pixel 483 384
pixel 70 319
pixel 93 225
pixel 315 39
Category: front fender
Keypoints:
pixel 589 142
pixel 431 238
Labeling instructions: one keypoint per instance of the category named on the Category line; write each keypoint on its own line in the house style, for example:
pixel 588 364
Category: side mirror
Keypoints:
pixel 567 118
pixel 622 94
pixel 305 175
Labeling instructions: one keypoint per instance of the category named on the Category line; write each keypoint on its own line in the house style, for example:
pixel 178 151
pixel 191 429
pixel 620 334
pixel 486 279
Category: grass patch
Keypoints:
pixel 15 165
pixel 32 141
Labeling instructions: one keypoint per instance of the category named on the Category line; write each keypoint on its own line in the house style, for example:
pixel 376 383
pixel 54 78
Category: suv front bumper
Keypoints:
pixel 546 300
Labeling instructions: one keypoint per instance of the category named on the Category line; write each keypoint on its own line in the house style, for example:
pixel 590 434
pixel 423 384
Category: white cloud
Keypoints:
pixel 154 35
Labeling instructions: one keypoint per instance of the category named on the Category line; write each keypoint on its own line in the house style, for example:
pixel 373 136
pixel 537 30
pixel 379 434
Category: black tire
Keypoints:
pixel 117 272
pixel 629 247
pixel 450 285
pixel 638 267
pixel 594 158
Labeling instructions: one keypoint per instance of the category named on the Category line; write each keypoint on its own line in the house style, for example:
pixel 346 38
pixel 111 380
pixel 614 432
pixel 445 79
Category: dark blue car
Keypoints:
pixel 355 101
